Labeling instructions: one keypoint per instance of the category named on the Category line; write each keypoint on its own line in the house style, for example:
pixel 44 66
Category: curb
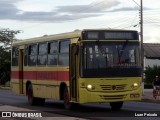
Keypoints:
pixel 151 100
pixel 8 88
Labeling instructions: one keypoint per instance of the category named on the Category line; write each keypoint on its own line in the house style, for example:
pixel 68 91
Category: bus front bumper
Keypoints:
pixel 86 96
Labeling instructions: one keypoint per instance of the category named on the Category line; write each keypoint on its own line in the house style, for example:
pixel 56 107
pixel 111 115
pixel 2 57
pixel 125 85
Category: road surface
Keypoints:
pixel 134 110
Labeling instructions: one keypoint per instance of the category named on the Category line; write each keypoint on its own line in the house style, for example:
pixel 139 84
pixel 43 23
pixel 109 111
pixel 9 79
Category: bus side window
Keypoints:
pixel 15 54
pixel 64 52
pixel 42 53
pixel 52 53
pixel 32 55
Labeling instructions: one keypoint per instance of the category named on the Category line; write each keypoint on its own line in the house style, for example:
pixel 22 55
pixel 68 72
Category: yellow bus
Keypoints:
pixel 83 66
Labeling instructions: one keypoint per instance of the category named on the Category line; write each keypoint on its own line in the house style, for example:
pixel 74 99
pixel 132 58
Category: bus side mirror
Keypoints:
pixel 75 49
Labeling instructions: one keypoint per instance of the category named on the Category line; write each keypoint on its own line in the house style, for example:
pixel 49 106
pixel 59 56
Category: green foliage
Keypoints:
pixel 150 73
pixel 5 63
pixel 7 37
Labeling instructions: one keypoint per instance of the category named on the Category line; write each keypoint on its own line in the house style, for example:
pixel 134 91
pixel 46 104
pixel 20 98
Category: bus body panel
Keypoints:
pixel 105 90
pixel 15 80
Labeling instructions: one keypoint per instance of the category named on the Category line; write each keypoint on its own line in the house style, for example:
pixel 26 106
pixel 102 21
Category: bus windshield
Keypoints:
pixel 110 56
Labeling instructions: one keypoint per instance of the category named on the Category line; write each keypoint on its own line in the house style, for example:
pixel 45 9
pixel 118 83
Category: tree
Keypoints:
pixel 5 63
pixel 6 38
pixel 150 73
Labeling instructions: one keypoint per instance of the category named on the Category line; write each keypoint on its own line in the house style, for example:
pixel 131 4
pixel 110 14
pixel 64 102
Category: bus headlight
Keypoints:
pixel 89 87
pixel 134 86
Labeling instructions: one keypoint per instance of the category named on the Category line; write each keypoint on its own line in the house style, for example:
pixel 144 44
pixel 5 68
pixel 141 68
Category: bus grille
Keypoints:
pixel 114 87
pixel 112 97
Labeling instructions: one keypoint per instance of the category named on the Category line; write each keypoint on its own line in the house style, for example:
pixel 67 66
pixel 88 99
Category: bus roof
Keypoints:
pixel 75 34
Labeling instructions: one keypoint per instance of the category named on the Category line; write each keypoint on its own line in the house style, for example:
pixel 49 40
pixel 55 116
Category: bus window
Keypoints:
pixel 42 54
pixel 64 53
pixel 15 54
pixel 52 53
pixel 32 57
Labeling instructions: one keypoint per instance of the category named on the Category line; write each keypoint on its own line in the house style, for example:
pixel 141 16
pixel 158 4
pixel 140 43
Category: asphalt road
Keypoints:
pixel 130 110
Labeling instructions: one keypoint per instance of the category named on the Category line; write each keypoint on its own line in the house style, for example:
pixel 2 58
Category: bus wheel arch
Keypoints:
pixel 61 90
pixel 27 85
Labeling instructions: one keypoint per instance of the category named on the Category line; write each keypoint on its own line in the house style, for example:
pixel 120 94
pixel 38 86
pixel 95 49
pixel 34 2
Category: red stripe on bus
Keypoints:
pixel 14 74
pixel 41 75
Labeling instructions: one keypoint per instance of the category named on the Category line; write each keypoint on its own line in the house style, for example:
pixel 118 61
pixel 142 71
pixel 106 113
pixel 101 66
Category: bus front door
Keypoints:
pixel 73 71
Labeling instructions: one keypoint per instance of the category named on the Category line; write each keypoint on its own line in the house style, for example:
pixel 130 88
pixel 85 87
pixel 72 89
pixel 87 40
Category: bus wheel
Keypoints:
pixel 31 99
pixel 66 98
pixel 116 105
pixel 41 101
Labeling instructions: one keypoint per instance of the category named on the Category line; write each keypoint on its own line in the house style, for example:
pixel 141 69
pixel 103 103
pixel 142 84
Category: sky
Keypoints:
pixel 35 18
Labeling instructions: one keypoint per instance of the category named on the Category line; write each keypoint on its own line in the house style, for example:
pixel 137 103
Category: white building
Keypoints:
pixel 151 54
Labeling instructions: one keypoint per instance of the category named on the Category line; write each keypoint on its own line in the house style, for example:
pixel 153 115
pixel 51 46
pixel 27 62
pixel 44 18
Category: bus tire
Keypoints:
pixel 116 105
pixel 41 101
pixel 67 104
pixel 66 99
pixel 31 99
